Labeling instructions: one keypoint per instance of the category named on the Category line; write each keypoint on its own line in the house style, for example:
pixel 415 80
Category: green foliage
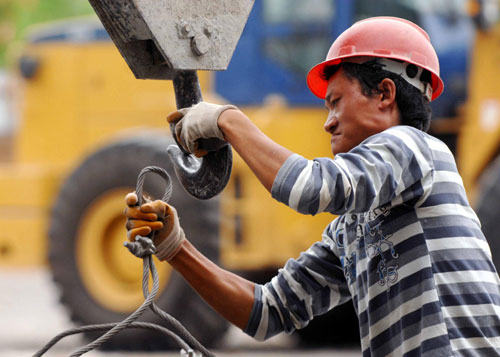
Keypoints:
pixel 16 15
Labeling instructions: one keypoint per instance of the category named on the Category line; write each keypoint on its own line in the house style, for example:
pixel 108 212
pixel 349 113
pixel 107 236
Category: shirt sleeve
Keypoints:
pixel 394 164
pixel 306 287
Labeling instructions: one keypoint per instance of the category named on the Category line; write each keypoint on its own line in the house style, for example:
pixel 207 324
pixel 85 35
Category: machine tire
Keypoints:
pixel 116 167
pixel 488 208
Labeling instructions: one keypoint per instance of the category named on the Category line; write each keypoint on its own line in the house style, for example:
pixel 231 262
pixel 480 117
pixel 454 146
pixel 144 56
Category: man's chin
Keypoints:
pixel 341 149
pixel 337 150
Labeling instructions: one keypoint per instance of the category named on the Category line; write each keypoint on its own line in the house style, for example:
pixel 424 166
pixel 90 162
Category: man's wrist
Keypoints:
pixel 227 119
pixel 184 254
pixel 170 246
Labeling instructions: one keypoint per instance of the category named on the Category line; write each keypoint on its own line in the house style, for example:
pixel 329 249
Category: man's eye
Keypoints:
pixel 334 102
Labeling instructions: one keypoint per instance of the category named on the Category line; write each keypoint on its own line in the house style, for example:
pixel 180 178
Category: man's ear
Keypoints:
pixel 387 93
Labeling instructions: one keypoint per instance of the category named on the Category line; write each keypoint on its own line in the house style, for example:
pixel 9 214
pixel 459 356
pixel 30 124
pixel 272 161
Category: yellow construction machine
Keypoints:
pixel 85 127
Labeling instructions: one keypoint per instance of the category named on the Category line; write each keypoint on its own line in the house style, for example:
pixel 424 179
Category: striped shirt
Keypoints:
pixel 406 248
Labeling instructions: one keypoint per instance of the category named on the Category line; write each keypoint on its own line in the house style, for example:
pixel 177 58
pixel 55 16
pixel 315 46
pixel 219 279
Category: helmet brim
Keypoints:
pixel 318 85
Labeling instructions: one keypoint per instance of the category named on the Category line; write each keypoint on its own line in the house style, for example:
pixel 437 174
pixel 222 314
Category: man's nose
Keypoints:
pixel 330 123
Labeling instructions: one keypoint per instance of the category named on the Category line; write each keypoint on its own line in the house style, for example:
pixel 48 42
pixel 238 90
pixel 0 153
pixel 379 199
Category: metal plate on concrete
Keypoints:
pixel 158 37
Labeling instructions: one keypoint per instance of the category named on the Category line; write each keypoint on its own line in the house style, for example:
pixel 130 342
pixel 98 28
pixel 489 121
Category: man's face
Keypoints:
pixel 353 116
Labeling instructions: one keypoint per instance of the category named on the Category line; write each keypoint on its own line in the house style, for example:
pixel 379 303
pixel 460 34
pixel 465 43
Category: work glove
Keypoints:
pixel 197 122
pixel 155 216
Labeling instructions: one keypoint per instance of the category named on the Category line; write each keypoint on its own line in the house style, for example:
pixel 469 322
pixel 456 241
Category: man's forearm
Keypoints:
pixel 228 294
pixel 261 154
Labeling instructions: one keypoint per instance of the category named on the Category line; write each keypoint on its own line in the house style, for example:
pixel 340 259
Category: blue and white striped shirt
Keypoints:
pixel 407 249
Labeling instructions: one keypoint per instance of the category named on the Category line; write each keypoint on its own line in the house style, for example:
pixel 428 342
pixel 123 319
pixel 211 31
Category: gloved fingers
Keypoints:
pixel 141 231
pixel 183 138
pixel 137 223
pixel 200 152
pixel 131 199
pixel 170 211
pixel 170 223
pixel 133 211
pixel 157 207
pixel 178 132
pixel 174 117
pixel 195 123
pixel 170 218
pixel 136 213
pixel 188 144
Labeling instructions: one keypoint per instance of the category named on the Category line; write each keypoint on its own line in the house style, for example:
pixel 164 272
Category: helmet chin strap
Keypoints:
pixel 411 76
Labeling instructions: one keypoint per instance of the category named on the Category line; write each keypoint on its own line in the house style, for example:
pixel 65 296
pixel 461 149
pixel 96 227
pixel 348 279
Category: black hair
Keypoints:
pixel 414 108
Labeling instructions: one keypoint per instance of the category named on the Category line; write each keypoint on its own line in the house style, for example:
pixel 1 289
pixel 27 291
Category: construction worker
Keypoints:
pixel 406 247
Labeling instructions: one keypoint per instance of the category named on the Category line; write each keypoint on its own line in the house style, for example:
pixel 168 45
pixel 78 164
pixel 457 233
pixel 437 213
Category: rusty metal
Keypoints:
pixel 171 39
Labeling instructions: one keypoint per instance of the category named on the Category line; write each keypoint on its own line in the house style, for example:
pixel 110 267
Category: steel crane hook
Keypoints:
pixel 202 178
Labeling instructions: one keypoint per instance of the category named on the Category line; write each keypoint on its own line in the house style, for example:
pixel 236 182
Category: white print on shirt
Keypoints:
pixel 374 242
pixel 387 274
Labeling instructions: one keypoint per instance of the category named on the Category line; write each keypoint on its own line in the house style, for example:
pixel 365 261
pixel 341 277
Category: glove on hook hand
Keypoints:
pixel 207 178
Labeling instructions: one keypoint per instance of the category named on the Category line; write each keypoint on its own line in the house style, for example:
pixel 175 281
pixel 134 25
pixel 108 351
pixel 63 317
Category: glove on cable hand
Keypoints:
pixel 197 122
pixel 154 216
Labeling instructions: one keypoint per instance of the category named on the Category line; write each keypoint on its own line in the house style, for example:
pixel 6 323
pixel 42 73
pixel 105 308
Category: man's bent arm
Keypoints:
pixel 228 294
pixel 261 154
pixel 379 170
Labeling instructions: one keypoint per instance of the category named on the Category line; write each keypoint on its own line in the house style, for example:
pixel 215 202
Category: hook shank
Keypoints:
pixel 202 178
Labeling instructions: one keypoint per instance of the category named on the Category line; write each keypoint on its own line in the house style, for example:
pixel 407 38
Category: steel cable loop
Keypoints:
pixel 141 251
pixel 148 268
pixel 186 335
pixel 142 177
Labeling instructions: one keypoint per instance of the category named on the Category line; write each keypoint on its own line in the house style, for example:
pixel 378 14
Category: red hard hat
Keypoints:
pixel 383 37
